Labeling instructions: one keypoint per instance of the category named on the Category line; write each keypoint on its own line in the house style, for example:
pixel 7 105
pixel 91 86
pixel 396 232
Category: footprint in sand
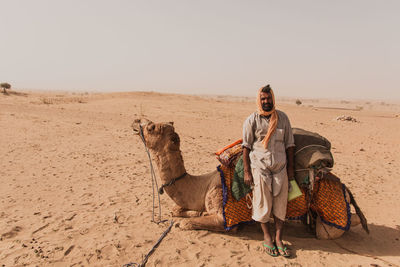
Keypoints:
pixel 12 233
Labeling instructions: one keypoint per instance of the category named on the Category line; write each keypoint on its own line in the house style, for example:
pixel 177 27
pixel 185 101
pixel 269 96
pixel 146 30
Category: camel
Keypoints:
pixel 198 198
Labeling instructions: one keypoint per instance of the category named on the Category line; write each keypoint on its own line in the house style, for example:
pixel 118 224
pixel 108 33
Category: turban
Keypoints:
pixel 273 121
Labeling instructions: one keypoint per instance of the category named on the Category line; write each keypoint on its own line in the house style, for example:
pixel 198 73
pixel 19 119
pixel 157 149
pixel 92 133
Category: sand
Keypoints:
pixel 76 188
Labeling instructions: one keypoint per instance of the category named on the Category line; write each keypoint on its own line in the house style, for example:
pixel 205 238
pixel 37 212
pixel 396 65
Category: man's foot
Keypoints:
pixel 270 250
pixel 282 249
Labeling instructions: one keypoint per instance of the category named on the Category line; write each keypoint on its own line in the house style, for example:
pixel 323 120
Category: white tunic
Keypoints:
pixel 268 165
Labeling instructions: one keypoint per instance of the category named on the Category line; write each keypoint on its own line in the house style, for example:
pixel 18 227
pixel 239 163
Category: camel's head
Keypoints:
pixel 157 136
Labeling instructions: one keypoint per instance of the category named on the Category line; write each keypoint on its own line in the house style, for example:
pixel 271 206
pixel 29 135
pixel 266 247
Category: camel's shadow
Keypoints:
pixel 382 240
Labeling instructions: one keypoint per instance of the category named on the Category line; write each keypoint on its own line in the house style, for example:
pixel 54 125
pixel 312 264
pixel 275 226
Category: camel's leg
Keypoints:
pixel 181 212
pixel 213 200
pixel 213 222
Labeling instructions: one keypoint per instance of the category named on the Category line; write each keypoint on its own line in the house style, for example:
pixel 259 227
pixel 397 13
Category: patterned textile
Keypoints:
pixel 230 154
pixel 297 208
pixel 238 187
pixel 235 212
pixel 329 201
pixel 229 146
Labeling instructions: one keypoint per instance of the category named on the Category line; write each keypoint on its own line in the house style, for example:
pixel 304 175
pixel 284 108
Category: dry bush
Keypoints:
pixel 298 102
pixel 5 86
pixel 62 100
pixel 46 100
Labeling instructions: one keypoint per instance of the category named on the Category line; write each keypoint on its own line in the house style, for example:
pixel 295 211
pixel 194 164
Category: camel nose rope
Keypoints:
pixel 154 184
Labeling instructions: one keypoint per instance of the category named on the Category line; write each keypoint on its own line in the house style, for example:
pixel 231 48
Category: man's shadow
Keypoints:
pixel 382 240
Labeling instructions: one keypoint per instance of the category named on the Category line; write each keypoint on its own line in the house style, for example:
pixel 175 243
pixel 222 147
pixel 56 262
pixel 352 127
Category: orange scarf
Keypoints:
pixel 273 120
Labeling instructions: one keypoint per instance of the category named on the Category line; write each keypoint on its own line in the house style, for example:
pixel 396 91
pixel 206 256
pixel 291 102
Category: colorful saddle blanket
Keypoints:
pixel 328 200
pixel 235 211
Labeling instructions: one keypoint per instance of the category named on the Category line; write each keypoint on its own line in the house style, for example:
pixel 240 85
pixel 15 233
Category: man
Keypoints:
pixel 268 158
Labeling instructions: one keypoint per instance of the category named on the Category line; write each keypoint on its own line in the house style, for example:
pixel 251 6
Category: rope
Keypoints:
pixel 301 149
pixel 161 189
pixel 248 199
pixel 153 180
pixel 154 188
pixel 143 264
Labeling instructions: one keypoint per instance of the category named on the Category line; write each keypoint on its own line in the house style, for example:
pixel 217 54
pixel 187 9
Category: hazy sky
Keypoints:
pixel 341 49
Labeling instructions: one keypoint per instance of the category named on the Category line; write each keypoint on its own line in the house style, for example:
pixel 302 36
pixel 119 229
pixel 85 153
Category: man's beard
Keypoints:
pixel 267 107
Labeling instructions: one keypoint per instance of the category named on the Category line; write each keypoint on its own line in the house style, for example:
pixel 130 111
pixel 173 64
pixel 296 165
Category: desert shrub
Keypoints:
pixel 46 100
pixel 62 100
pixel 298 102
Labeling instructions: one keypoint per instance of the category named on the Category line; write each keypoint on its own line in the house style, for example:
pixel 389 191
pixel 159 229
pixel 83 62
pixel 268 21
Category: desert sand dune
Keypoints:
pixel 76 188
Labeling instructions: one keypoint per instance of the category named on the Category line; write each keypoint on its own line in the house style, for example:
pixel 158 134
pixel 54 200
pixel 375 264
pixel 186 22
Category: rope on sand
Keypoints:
pixel 134 264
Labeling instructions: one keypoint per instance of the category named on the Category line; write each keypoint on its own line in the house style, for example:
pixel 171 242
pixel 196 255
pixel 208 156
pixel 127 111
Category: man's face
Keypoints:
pixel 266 101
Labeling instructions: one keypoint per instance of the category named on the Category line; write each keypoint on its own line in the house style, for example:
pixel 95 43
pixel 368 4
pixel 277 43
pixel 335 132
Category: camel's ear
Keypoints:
pixel 171 122
pixel 144 121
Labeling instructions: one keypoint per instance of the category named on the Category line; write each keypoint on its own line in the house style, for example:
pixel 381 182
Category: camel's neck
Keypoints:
pixel 189 192
pixel 170 164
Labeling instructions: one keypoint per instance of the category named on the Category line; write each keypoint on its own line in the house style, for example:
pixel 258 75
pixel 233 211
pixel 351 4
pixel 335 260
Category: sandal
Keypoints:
pixel 283 252
pixel 274 252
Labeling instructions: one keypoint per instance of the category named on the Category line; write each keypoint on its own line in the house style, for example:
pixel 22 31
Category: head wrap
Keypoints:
pixel 273 120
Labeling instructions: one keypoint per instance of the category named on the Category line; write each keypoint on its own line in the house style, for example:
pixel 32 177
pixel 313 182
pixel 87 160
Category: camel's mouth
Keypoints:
pixel 136 131
pixel 137 124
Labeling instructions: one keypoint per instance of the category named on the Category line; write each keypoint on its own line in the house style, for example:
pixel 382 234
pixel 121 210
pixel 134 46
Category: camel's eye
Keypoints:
pixel 151 127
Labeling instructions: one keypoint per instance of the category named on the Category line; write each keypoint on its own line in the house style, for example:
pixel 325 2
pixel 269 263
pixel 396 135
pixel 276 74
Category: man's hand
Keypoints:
pixel 248 178
pixel 290 175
